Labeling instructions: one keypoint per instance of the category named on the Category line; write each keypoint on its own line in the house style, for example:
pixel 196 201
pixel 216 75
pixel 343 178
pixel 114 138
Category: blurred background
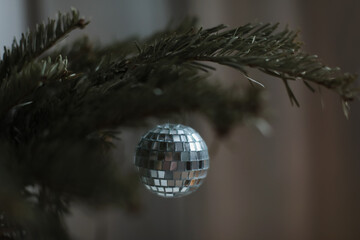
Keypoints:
pixel 302 182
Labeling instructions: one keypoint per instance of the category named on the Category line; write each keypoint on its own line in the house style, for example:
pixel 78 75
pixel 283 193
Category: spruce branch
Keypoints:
pixel 260 46
pixel 34 43
pixel 256 46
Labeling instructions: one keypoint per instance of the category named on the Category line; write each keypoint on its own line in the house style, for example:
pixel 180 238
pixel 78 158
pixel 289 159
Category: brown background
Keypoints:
pixel 300 183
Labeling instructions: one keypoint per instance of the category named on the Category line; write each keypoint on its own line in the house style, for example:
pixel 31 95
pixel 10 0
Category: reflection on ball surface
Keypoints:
pixel 172 160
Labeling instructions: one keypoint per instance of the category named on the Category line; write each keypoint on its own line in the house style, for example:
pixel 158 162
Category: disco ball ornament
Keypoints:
pixel 172 160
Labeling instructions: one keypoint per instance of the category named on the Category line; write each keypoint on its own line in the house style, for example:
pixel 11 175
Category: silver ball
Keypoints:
pixel 172 160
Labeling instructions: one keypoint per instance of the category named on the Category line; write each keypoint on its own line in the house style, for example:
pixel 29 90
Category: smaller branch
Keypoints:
pixel 35 43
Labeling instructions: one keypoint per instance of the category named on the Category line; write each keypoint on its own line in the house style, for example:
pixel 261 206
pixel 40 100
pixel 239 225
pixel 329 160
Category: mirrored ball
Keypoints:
pixel 172 160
